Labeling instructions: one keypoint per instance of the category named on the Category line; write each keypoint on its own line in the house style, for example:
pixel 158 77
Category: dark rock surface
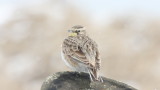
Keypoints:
pixel 81 81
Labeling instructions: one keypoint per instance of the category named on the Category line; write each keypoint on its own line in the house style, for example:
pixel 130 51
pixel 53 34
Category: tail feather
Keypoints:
pixel 94 75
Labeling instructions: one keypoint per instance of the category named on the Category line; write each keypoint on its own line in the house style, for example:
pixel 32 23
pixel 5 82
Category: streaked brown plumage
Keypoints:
pixel 81 53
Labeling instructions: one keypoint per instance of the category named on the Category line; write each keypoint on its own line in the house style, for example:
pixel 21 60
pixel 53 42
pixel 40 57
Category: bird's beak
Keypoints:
pixel 69 30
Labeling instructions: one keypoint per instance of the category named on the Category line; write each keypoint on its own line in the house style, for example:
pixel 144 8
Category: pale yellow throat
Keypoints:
pixel 72 34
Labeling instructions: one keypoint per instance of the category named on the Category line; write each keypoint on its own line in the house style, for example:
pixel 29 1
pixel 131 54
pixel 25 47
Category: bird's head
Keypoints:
pixel 77 30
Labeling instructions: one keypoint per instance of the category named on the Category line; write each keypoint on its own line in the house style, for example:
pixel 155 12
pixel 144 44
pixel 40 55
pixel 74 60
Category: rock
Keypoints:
pixel 81 81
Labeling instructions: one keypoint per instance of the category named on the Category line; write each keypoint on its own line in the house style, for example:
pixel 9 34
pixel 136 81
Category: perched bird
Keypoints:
pixel 80 53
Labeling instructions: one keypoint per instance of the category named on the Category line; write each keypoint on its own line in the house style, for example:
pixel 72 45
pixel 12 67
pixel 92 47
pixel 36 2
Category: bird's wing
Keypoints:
pixel 85 52
pixel 90 48
pixel 70 48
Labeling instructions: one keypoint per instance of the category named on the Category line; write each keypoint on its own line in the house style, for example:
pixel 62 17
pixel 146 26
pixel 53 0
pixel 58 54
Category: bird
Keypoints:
pixel 80 53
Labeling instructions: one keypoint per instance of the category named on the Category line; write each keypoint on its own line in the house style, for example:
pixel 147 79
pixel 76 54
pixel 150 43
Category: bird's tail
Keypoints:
pixel 94 75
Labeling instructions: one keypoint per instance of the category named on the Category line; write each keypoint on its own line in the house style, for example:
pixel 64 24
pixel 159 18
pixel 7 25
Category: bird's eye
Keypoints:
pixel 78 30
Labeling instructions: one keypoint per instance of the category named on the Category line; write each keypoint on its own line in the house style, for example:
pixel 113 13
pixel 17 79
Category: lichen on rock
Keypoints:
pixel 81 81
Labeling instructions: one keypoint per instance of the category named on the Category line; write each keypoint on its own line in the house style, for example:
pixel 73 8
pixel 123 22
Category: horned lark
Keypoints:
pixel 80 53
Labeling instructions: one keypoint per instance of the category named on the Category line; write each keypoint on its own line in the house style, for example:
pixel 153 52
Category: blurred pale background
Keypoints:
pixel 31 33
